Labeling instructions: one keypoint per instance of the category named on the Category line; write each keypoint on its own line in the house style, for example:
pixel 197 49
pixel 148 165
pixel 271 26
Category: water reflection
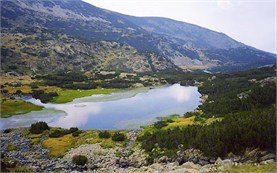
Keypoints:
pixel 122 113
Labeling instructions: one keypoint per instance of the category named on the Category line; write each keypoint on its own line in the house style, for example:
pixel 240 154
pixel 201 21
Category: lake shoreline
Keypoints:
pixel 120 110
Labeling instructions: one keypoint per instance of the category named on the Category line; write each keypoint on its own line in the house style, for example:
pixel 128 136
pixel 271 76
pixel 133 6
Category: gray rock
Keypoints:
pixel 227 162
pixel 218 161
pixel 268 157
pixel 203 162
pixel 267 161
pixel 163 159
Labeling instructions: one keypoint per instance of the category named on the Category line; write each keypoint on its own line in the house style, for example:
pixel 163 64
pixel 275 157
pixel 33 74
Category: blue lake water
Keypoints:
pixel 121 110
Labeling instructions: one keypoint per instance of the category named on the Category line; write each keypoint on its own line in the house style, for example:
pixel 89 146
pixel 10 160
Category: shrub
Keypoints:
pixel 77 133
pixel 57 133
pixel 11 147
pixel 160 124
pixel 18 92
pixel 61 132
pixel 235 133
pixel 79 160
pixel 104 134
pixel 73 129
pixel 33 85
pixel 7 130
pixel 23 169
pixel 4 91
pixel 118 137
pixel 44 97
pixel 39 127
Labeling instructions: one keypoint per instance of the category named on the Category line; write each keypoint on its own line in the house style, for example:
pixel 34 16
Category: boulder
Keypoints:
pixel 251 156
pixel 203 162
pixel 163 159
pixel 227 162
pixel 267 161
pixel 212 160
pixel 181 160
pixel 268 157
pixel 218 161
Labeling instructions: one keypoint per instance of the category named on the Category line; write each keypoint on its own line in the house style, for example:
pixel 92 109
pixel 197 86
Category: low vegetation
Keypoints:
pixel 39 127
pixel 104 134
pixel 59 140
pixel 118 137
pixel 11 147
pixel 59 132
pixel 237 115
pixel 79 160
pixel 9 165
pixel 11 107
pixel 246 168
pixel 67 95
pixel 76 133
pixel 7 130
pixel 59 146
pixel 43 96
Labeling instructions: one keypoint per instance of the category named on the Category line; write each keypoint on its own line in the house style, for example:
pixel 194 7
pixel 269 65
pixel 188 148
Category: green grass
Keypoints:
pixel 178 121
pixel 59 146
pixel 68 95
pixel 19 168
pixel 11 147
pixel 267 168
pixel 11 107
pixel 14 107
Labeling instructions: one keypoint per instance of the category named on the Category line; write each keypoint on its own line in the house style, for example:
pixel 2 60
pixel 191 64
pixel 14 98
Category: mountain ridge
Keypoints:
pixel 155 43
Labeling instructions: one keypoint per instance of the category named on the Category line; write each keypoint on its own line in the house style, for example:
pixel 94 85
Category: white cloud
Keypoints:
pixel 224 4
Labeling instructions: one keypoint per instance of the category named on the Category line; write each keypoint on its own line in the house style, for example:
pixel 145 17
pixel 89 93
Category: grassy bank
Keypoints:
pixel 67 95
pixel 10 107
pixel 14 107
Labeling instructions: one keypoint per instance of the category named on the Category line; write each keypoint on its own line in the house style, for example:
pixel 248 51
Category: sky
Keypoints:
pixel 252 22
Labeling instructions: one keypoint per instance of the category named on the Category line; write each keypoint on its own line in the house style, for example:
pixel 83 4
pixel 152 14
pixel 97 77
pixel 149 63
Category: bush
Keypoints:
pixel 79 160
pixel 61 132
pixel 58 133
pixel 4 91
pixel 77 133
pixel 18 92
pixel 235 133
pixel 160 124
pixel 118 137
pixel 39 127
pixel 7 130
pixel 23 169
pixel 34 85
pixel 43 96
pixel 73 129
pixel 104 134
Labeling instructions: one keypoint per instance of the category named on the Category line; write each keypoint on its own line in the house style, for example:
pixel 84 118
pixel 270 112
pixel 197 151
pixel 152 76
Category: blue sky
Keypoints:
pixel 250 22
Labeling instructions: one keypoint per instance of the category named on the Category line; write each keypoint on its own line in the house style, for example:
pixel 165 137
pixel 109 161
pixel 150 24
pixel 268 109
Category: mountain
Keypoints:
pixel 50 35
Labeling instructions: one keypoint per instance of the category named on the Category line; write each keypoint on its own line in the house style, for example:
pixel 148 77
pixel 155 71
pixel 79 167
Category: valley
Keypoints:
pixel 86 89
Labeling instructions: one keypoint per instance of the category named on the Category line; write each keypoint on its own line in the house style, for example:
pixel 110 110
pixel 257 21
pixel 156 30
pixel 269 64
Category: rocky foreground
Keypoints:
pixel 17 149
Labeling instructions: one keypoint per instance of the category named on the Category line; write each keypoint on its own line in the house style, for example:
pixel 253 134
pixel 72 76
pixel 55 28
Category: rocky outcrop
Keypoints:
pixel 127 158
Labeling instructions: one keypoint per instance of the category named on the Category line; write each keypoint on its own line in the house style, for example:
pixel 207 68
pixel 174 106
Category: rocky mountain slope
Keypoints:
pixel 41 36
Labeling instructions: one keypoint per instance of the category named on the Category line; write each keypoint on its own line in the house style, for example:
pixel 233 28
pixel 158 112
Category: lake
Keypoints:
pixel 128 109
